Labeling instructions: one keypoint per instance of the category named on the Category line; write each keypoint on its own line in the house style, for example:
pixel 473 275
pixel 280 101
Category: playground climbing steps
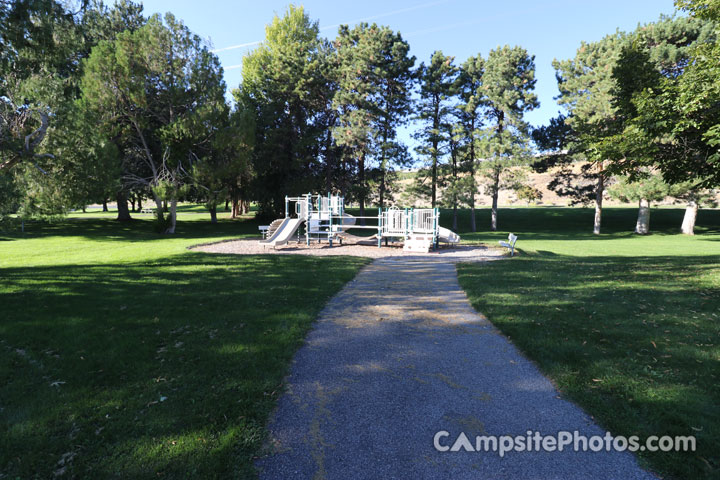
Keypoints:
pixel 418 243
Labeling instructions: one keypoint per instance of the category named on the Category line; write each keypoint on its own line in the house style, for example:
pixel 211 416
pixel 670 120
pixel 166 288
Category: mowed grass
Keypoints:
pixel 124 355
pixel 627 326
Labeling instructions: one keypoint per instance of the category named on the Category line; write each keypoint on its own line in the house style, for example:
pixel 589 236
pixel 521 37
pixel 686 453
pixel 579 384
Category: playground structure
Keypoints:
pixel 321 217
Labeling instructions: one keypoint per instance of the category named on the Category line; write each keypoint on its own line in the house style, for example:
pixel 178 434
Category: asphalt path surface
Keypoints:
pixel 399 355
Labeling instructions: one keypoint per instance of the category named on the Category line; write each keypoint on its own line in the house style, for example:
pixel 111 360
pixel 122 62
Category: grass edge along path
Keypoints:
pixel 632 339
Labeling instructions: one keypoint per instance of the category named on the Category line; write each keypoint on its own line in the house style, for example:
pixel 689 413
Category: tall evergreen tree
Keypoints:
pixel 284 86
pixel 437 87
pixel 508 83
pixel 585 85
pixel 473 101
pixel 373 99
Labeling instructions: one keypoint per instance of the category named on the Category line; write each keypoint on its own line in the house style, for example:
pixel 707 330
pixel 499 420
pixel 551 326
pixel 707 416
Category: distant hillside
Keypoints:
pixel 406 179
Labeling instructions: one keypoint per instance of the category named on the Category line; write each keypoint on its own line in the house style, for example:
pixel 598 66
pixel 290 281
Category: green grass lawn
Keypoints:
pixel 627 326
pixel 123 354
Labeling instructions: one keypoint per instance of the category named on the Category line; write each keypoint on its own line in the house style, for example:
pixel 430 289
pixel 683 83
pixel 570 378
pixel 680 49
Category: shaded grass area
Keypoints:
pixel 627 326
pixel 122 354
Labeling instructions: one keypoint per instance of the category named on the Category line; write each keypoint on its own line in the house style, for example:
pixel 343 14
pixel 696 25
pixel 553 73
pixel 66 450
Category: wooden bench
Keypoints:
pixel 510 244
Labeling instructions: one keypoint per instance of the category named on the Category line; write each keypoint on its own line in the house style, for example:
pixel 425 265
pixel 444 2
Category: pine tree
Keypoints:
pixel 508 83
pixel 437 87
pixel 284 85
pixel 470 109
pixel 373 99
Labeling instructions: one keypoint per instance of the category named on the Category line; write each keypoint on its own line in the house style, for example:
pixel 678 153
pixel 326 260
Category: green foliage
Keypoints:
pixel 585 83
pixel 285 86
pixel 528 193
pixel 433 111
pixel 647 186
pixel 158 92
pixel 610 91
pixel 708 9
pixel 226 168
pixel 508 83
pixel 372 100
pixel 466 129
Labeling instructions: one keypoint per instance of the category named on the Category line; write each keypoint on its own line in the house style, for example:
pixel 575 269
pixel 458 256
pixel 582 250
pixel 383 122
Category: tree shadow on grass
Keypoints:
pixel 137 230
pixel 577 223
pixel 166 368
pixel 634 340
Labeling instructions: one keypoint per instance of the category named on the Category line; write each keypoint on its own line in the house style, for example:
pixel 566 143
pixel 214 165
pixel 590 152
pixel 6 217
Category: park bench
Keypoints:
pixel 510 244
pixel 263 230
pixel 148 210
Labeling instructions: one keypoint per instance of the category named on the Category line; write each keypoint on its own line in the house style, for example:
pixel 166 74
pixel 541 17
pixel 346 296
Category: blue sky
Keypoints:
pixel 546 28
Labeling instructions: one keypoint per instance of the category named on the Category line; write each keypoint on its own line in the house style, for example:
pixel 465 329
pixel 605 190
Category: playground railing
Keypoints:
pixel 423 220
pixel 393 222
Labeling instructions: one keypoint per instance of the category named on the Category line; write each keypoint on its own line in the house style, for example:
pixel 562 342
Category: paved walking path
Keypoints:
pixel 398 355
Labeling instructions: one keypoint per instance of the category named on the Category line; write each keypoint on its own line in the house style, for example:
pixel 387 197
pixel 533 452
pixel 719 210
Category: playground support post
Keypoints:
pixel 287 214
pixel 380 225
pixel 308 215
pixel 436 228
pixel 330 219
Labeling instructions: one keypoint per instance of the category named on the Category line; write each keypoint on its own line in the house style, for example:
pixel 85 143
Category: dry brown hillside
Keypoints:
pixel 404 195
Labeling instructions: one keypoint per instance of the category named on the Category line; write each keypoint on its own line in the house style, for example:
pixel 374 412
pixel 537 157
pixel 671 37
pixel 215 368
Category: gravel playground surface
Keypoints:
pixel 460 253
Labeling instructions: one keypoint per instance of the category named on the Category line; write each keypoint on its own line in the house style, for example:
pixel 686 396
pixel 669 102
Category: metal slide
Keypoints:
pixel 447 236
pixel 347 222
pixel 284 232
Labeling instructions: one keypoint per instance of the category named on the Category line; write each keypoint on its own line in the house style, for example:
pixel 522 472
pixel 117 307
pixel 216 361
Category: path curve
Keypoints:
pixel 398 355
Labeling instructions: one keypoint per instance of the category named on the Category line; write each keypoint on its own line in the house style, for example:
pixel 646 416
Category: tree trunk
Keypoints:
pixel 139 205
pixel 454 223
pixel 328 161
pixel 159 208
pixel 234 201
pixel 132 204
pixel 688 223
pixel 104 204
pixel 84 209
pixel 227 205
pixel 435 142
pixel 361 197
pixel 434 180
pixel 496 192
pixel 493 220
pixel 598 203
pixel 165 206
pixel 213 214
pixel 455 188
pixel 173 216
pixel 642 227
pixel 122 207
pixel 473 228
pixel 382 189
